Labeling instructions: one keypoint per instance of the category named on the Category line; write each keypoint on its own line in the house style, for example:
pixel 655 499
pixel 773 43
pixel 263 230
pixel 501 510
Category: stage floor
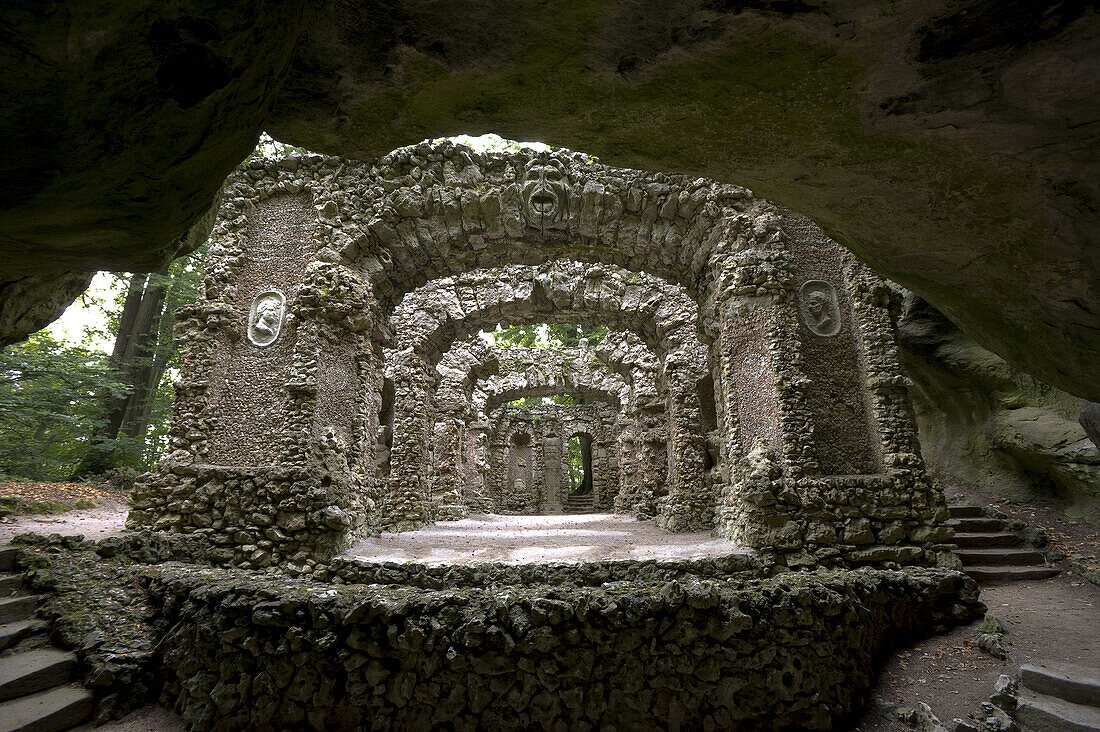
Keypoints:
pixel 535 539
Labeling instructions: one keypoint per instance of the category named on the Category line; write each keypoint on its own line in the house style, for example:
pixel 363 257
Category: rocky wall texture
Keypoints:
pixel 250 517
pixel 986 425
pixel 98 609
pixel 906 130
pixel 795 651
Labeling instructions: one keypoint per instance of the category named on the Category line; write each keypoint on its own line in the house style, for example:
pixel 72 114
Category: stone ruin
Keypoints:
pixel 331 386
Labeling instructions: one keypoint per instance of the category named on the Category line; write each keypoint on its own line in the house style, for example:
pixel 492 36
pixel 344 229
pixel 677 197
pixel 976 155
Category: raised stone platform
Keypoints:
pixel 498 539
pixel 584 550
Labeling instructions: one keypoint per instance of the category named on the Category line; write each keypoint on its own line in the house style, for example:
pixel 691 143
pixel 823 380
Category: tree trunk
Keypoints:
pixel 131 364
pixel 140 357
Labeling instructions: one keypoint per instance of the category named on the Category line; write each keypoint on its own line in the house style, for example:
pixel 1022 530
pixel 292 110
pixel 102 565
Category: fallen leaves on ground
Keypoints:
pixel 64 492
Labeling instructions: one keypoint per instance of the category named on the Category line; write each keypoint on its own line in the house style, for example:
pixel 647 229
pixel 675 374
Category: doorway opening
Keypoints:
pixel 580 465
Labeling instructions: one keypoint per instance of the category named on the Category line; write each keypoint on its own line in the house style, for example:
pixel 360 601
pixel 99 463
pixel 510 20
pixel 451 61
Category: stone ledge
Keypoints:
pixel 581 574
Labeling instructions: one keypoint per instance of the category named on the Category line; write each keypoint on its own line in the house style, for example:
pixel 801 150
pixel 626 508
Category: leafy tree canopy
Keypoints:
pixel 49 406
pixel 547 335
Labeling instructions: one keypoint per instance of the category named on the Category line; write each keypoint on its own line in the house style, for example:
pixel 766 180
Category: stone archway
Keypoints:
pixel 621 367
pixel 812 413
pixel 429 320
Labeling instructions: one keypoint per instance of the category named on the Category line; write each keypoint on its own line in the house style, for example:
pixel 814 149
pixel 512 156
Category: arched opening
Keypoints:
pixel 383 443
pixel 580 464
pixel 581 476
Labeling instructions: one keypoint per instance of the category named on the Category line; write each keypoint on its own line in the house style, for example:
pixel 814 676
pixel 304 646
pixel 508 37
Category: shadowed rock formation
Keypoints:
pixel 950 144
pixel 985 424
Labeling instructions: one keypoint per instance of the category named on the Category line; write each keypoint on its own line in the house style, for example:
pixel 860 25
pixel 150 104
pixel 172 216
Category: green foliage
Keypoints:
pixel 547 335
pixel 119 480
pixel 538 401
pixel 49 406
pixel 185 277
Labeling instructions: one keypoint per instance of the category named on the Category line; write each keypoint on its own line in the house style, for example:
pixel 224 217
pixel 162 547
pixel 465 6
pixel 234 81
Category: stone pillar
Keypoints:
pixel 552 459
pixel 688 505
pixel 407 503
pixel 629 467
pixel 300 483
pixel 448 496
pixel 766 428
pixel 909 509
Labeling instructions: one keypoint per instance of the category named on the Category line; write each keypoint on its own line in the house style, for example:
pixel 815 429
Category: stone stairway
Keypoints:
pixel 37 693
pixel 1059 698
pixel 991 553
pixel 584 503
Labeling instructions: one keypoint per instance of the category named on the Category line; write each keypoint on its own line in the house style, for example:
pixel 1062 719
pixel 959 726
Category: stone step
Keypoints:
pixel 967 540
pixel 1036 712
pixel 49 711
pixel 33 671
pixel 7 558
pixel 12 633
pixel 966 511
pixel 976 524
pixel 17 608
pixel 10 584
pixel 1010 574
pixel 1075 684
pixel 1000 556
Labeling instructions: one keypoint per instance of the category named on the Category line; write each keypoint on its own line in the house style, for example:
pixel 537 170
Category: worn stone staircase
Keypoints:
pixel 991 553
pixel 583 503
pixel 37 693
pixel 1059 698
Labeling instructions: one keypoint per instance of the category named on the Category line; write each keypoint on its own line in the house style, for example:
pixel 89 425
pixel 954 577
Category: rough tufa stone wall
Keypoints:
pixel 799 424
pixel 250 652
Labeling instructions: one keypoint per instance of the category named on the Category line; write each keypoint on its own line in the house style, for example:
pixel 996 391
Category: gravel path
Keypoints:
pixel 522 539
pixel 95 523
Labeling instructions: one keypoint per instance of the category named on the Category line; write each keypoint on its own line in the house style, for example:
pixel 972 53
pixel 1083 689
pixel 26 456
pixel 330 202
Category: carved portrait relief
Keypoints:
pixel 265 319
pixel 818 306
pixel 545 191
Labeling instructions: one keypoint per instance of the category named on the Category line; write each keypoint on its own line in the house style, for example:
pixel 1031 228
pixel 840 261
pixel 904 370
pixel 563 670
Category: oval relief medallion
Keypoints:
pixel 265 319
pixel 818 306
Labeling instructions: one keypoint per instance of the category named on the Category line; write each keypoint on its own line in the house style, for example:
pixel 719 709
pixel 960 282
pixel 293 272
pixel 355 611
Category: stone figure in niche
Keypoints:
pixel 545 191
pixel 265 319
pixel 818 306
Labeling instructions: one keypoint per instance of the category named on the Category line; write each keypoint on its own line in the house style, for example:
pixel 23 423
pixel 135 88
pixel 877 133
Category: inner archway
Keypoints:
pixel 581 478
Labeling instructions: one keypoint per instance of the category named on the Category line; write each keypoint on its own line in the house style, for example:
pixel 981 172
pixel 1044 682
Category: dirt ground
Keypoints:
pixel 94 523
pixel 153 718
pixel 1049 621
pixel 522 539
pixel 66 492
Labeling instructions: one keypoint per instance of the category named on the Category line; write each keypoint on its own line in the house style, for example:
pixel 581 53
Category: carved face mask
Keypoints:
pixel 545 192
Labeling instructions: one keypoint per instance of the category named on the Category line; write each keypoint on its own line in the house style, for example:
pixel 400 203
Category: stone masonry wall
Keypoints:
pixel 252 652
